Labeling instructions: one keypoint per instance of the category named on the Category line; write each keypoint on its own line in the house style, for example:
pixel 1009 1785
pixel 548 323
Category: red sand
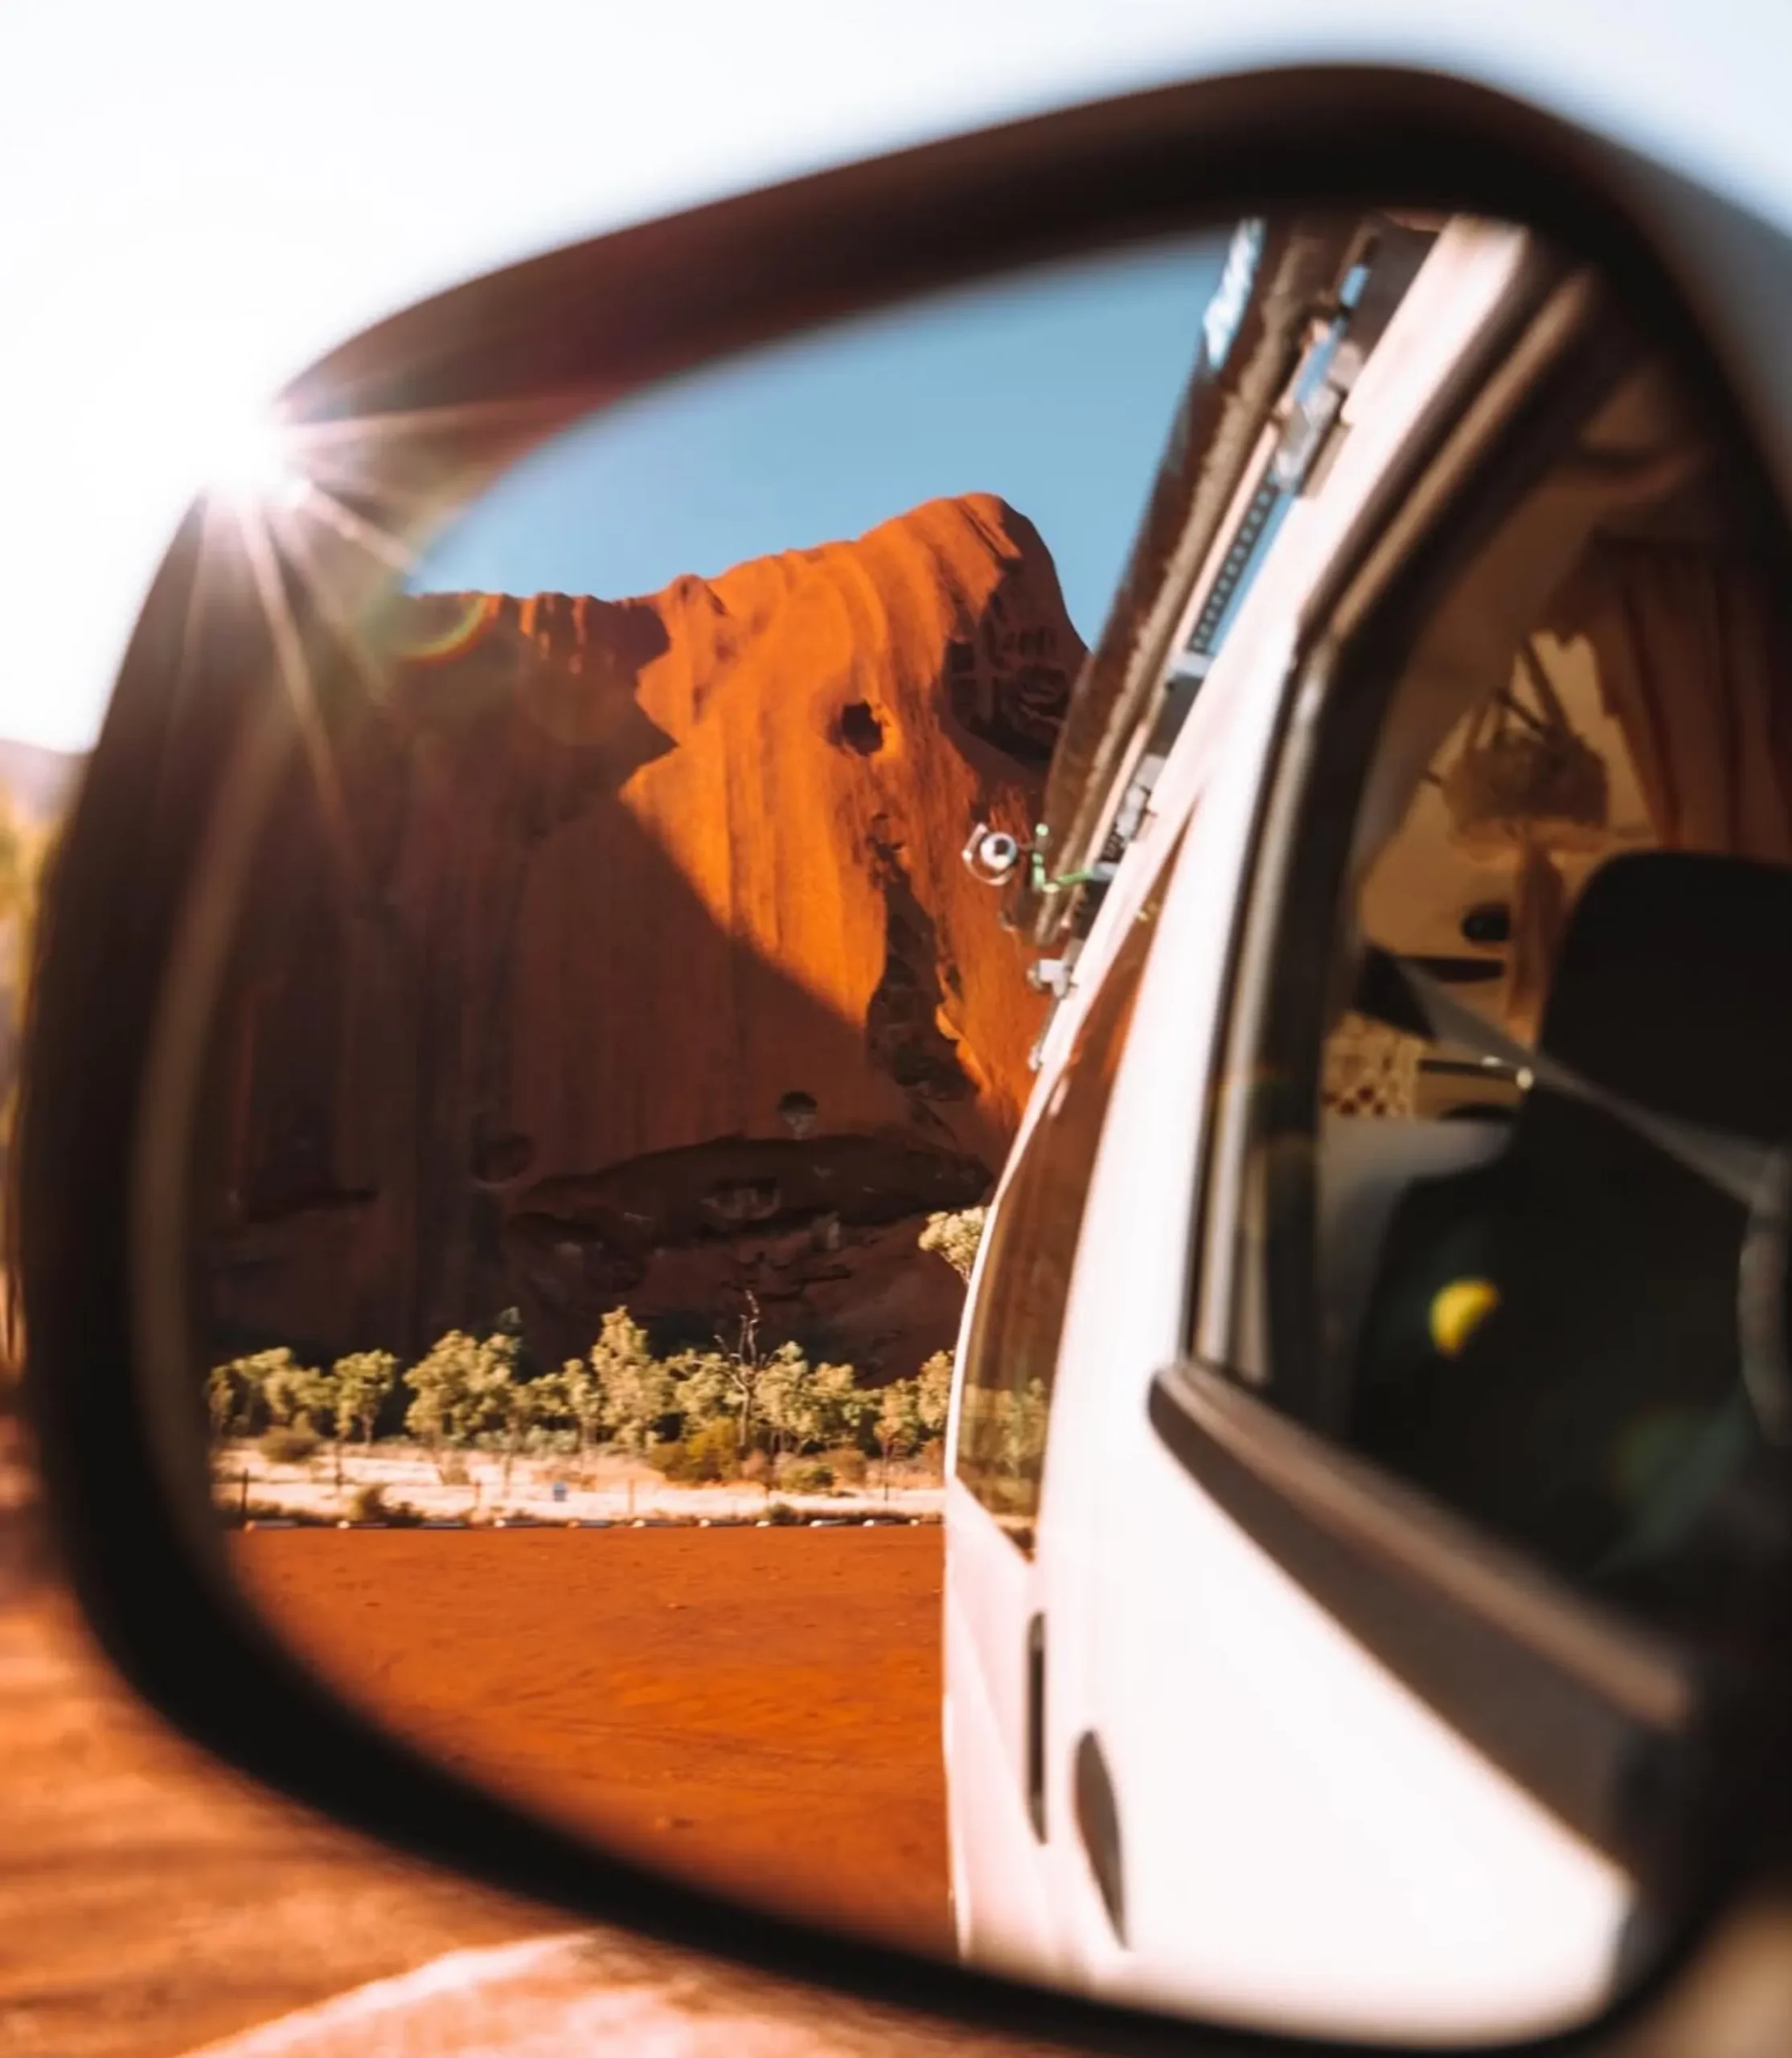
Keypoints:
pixel 150 1901
pixel 757 1709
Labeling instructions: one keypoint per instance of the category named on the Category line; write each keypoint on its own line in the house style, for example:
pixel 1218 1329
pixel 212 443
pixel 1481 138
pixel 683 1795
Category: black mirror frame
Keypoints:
pixel 581 325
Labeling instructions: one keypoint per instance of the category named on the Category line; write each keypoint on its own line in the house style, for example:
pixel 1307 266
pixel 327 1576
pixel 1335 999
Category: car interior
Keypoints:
pixel 1576 824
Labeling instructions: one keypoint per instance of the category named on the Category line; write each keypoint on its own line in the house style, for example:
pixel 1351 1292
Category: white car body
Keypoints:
pixel 1307 1843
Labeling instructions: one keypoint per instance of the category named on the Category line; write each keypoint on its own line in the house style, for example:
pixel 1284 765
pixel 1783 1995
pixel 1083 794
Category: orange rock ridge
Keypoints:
pixel 658 979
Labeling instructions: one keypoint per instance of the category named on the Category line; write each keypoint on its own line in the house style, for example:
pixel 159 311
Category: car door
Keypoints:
pixel 998 1588
pixel 1326 1746
pixel 1092 1223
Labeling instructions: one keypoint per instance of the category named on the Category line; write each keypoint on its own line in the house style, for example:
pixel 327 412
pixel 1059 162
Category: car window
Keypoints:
pixel 1542 1086
pixel 1024 1290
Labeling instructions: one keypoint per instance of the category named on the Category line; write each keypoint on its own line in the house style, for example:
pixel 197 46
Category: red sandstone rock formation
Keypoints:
pixel 655 976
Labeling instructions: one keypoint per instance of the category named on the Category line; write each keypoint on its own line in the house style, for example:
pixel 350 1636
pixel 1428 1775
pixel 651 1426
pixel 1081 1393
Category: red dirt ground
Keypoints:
pixel 757 1709
pixel 150 1901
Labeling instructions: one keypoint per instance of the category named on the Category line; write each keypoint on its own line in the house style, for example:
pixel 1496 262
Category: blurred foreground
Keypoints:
pixel 149 1901
pixel 153 1904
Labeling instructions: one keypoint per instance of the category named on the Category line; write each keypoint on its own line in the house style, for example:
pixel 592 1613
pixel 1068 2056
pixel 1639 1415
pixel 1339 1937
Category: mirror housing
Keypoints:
pixel 486 371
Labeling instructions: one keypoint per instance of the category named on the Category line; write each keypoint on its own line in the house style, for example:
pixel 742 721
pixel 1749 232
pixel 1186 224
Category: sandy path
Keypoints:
pixel 757 1707
pixel 150 1901
pixel 152 1905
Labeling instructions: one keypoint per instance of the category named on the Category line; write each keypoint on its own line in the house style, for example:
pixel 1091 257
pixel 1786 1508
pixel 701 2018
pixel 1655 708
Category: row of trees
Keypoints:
pixel 727 1401
pixel 470 1391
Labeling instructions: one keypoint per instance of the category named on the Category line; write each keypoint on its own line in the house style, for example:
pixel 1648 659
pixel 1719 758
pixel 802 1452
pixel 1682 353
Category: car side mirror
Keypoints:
pixel 705 927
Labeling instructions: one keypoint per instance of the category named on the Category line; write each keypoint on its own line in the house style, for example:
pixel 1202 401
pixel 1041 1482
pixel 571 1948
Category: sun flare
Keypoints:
pixel 256 464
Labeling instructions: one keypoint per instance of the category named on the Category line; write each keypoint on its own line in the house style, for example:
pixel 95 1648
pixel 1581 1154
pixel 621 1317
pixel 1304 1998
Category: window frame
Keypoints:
pixel 1510 404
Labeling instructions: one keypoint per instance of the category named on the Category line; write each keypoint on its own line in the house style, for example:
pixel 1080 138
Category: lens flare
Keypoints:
pixel 255 464
pixel 436 627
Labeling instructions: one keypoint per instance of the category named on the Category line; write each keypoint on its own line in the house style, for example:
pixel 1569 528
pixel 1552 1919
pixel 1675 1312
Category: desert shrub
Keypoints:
pixel 706 1456
pixel 715 1452
pixel 806 1476
pixel 781 1514
pixel 369 1503
pixel 290 1445
pixel 755 1468
pixel 452 1471
pixel 847 1465
pixel 955 1237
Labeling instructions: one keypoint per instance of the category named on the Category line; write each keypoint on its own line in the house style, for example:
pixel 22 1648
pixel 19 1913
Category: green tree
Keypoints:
pixel 770 1396
pixel 448 1383
pixel 295 1395
pixel 583 1399
pixel 271 1384
pixel 742 1368
pixel 787 1400
pixel 702 1390
pixel 636 1388
pixel 955 1237
pixel 552 1403
pixel 897 1425
pixel 362 1381
pixel 466 1387
pixel 525 1404
pixel 843 1408
pixel 494 1404
pixel 933 1393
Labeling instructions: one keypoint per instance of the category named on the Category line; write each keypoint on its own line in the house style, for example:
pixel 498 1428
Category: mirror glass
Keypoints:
pixel 605 1155
pixel 853 831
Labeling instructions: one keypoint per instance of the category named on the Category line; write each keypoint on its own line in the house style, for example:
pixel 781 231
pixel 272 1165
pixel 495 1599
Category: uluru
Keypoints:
pixel 633 961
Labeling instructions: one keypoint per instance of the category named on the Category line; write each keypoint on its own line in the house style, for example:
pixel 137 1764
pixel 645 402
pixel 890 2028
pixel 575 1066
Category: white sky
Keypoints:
pixel 201 195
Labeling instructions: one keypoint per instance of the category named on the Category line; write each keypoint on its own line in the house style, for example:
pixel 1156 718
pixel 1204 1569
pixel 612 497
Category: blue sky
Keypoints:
pixel 206 199
pixel 1054 390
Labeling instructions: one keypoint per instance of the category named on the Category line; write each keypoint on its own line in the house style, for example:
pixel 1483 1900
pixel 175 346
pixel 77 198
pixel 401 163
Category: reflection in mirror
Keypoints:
pixel 774 859
pixel 601 1147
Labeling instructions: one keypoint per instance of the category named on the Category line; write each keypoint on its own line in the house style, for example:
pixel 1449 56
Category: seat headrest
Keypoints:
pixel 1673 986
